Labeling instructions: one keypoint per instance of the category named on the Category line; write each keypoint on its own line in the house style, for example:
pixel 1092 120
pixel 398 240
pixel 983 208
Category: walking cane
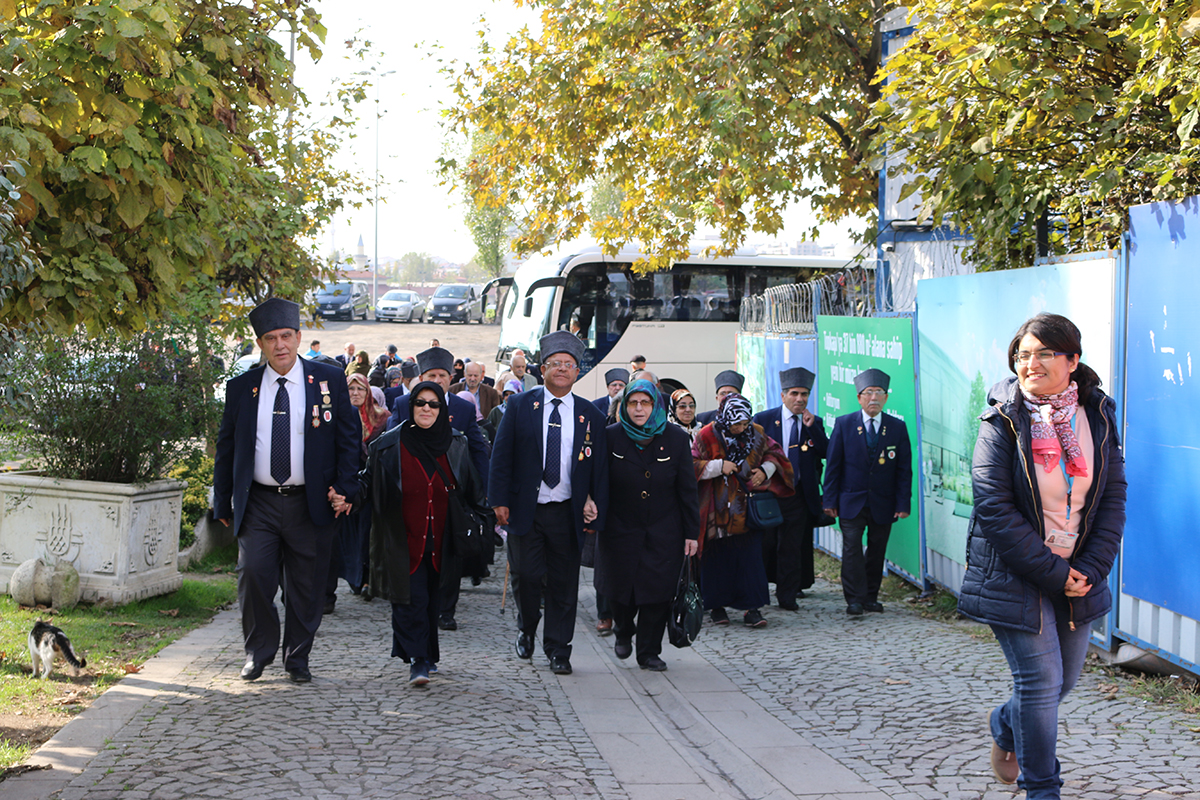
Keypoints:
pixel 504 593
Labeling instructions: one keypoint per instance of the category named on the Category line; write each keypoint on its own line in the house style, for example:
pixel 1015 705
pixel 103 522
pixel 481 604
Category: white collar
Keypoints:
pixel 294 375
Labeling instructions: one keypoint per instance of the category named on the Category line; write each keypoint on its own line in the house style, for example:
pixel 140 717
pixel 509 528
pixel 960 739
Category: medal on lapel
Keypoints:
pixel 310 380
pixel 325 393
pixel 316 419
pixel 254 391
pixel 327 416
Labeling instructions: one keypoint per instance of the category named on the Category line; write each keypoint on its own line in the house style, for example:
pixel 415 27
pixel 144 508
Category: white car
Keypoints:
pixel 399 304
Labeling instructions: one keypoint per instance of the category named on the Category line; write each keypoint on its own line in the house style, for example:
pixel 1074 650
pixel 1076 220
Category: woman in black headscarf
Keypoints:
pixel 410 474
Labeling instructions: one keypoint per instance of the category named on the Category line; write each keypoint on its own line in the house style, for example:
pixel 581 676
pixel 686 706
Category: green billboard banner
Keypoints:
pixel 847 346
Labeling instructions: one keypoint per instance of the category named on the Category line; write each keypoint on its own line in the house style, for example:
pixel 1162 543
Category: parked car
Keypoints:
pixel 399 304
pixel 459 302
pixel 348 299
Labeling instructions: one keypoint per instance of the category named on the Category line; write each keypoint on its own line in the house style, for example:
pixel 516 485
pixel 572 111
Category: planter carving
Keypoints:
pixel 122 539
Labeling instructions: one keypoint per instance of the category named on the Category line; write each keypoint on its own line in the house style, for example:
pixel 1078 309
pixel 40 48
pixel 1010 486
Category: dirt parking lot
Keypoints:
pixel 474 341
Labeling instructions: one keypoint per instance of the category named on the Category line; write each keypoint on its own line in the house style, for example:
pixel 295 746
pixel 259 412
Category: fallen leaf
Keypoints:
pixel 131 668
pixel 894 682
pixel 169 612
pixel 1107 687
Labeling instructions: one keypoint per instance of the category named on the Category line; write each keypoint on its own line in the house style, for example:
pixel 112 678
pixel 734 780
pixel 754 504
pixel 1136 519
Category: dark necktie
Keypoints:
pixel 794 449
pixel 281 435
pixel 550 474
pixel 872 435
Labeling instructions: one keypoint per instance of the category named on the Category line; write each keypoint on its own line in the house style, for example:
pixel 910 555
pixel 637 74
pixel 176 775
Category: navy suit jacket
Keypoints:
pixel 518 461
pixel 855 479
pixel 331 449
pixel 602 403
pixel 808 479
pixel 462 419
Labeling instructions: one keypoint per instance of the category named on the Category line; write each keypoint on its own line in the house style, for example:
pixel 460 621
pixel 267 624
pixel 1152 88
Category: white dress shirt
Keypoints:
pixel 866 419
pixel 567 411
pixel 298 415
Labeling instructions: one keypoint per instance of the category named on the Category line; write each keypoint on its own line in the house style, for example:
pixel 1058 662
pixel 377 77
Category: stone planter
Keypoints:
pixel 122 539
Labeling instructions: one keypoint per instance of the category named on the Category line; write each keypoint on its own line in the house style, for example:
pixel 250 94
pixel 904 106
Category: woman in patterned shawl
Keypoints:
pixel 732 457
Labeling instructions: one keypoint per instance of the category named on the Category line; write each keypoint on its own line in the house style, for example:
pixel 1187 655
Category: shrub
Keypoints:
pixel 120 409
pixel 197 470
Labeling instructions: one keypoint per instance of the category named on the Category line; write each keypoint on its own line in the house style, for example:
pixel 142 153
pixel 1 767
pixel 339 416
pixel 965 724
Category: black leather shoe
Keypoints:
pixel 654 664
pixel 876 607
pixel 253 670
pixel 448 624
pixel 560 665
pixel 855 609
pixel 299 675
pixel 623 649
pixel 800 595
pixel 789 606
pixel 329 606
pixel 525 646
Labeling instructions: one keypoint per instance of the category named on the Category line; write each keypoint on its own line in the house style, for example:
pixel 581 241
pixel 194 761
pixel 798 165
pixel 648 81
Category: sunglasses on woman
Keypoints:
pixel 421 403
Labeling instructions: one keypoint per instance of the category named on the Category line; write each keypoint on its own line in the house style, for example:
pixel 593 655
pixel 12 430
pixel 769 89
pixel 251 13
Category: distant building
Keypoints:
pixel 360 255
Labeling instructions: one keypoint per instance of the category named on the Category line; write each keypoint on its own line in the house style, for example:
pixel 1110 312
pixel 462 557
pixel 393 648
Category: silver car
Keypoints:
pixel 400 305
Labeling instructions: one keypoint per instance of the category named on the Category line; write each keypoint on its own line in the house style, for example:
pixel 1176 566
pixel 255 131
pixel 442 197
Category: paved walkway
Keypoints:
pixel 814 706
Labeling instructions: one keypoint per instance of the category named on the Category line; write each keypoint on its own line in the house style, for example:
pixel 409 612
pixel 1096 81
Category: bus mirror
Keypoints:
pixel 528 306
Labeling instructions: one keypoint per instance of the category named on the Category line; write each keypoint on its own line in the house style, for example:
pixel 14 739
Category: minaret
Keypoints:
pixel 360 257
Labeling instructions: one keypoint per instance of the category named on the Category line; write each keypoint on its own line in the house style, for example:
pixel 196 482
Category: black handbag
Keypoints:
pixel 687 609
pixel 467 530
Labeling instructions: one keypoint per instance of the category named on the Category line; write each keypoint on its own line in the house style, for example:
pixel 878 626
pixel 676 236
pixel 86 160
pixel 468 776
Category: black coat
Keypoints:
pixel 1009 566
pixel 653 507
pixel 379 486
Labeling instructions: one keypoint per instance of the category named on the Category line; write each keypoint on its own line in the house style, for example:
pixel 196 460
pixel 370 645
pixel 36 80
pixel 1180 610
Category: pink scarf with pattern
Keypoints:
pixel 1050 416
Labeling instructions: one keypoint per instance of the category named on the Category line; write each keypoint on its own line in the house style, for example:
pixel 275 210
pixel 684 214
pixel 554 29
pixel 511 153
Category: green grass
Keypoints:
pixel 221 560
pixel 115 641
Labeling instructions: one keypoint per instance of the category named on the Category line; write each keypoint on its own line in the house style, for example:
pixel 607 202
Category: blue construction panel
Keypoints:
pixel 1161 561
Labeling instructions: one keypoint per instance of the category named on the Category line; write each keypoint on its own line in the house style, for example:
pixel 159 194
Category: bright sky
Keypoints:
pixel 419 214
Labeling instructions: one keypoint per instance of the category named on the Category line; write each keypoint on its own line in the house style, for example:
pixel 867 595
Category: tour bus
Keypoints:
pixel 684 321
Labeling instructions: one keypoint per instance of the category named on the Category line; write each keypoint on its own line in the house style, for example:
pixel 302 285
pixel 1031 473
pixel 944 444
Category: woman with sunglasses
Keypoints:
pixel 1049 490
pixel 410 473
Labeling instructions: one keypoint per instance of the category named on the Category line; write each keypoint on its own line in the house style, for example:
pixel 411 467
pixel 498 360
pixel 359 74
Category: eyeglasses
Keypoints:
pixel 874 392
pixel 1042 356
pixel 685 407
pixel 567 365
pixel 640 403
pixel 421 403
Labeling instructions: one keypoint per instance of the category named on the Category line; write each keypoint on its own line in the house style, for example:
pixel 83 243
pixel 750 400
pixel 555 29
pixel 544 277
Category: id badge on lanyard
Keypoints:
pixel 1062 543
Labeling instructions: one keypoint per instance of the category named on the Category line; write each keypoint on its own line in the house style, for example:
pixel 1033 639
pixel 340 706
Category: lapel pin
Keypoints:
pixel 310 379
pixel 254 391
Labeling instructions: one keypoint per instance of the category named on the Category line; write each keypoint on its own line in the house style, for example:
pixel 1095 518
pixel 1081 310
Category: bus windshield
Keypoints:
pixel 599 301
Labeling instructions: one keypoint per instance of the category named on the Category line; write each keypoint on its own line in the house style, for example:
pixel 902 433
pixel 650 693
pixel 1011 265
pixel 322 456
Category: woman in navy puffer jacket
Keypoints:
pixel 1049 488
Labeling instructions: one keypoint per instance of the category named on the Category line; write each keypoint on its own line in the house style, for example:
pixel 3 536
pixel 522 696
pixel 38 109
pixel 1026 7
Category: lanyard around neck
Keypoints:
pixel 1062 464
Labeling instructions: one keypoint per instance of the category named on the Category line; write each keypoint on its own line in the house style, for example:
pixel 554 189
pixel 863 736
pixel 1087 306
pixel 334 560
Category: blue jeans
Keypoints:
pixel 1045 667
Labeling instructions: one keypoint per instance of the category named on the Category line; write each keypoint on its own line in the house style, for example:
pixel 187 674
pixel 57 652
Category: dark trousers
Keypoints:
pixel 451 580
pixel 861 576
pixel 788 550
pixel 651 624
pixel 279 545
pixel 414 624
pixel 604 609
pixel 549 553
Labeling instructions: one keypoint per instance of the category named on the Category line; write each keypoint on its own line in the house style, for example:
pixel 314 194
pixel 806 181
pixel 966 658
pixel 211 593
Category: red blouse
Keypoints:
pixel 425 502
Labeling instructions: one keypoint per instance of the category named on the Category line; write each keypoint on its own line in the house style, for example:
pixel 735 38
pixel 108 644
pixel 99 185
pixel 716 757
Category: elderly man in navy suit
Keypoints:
pixel 868 486
pixel 437 365
pixel 615 379
pixel 788 549
pixel 727 382
pixel 289 441
pixel 549 484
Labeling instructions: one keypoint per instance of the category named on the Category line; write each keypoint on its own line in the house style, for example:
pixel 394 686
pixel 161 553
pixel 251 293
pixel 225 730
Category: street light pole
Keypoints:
pixel 375 270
